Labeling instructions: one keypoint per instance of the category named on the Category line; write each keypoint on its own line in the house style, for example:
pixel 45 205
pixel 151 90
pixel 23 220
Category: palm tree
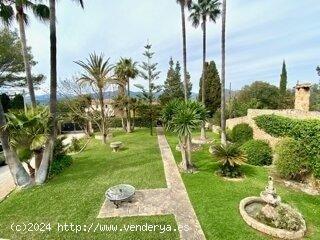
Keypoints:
pixel 40 11
pixel 230 157
pixel 223 76
pixel 182 118
pixel 201 12
pixel 126 69
pixel 183 5
pixel 28 132
pixel 97 75
pixel 18 172
pixel 42 173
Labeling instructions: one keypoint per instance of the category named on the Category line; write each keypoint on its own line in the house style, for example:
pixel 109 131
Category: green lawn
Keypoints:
pixel 77 194
pixel 216 200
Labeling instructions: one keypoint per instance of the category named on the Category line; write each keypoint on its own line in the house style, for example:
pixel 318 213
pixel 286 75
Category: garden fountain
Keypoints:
pixel 269 215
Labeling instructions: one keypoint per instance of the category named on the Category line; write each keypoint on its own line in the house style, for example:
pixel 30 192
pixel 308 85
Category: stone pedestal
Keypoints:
pixel 302 97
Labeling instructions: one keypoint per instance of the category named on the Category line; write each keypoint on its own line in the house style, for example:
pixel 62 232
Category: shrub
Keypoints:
pixel 291 161
pixel 241 133
pixel 60 160
pixel 230 157
pixel 315 165
pixel 59 164
pixel 75 145
pixel 258 152
pixel 307 132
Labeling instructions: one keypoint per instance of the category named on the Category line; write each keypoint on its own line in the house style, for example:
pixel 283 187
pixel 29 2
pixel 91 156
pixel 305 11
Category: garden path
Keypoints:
pixel 171 200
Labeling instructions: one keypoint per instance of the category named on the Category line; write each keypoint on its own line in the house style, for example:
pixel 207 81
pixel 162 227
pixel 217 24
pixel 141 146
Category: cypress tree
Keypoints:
pixel 213 88
pixel 283 79
pixel 173 86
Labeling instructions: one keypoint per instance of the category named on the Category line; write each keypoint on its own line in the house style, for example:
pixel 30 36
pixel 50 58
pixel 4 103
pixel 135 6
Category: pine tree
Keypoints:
pixel 283 79
pixel 150 73
pixel 173 87
pixel 213 88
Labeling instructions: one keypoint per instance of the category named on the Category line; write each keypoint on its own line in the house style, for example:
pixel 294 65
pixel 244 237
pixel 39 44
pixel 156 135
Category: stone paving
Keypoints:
pixel 171 200
pixel 6 182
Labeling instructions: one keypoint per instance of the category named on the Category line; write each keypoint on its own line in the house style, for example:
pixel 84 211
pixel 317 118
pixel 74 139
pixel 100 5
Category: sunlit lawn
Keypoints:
pixel 77 194
pixel 216 200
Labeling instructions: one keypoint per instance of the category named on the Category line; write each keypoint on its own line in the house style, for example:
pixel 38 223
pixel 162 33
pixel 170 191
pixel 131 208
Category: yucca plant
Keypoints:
pixel 182 117
pixel 230 157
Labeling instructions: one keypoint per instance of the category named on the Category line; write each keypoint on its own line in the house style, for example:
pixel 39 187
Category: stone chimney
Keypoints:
pixel 302 97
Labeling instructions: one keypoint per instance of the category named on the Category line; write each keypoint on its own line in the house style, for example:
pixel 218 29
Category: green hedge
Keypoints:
pixel 241 133
pixel 257 152
pixel 138 122
pixel 308 131
pixel 2 159
pixel 291 161
pixel 59 164
pixel 305 132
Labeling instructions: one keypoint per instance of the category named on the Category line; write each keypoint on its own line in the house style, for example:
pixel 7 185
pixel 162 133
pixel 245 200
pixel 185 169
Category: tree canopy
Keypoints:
pixel 212 89
pixel 11 61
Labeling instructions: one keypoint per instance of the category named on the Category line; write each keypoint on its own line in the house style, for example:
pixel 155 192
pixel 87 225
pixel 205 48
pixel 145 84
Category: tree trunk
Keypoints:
pixel 42 173
pixel 31 170
pixel 184 44
pixel 26 59
pixel 203 97
pixel 189 161
pixel 223 66
pixel 128 109
pixel 103 117
pixel 18 172
pixel 38 158
pixel 183 149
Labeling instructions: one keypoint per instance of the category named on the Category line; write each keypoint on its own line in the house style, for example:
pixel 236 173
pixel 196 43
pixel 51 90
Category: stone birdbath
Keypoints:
pixel 269 215
pixel 116 146
pixel 120 193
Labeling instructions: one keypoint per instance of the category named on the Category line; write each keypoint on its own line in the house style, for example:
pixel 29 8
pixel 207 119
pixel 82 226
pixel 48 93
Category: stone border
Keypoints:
pixel 275 232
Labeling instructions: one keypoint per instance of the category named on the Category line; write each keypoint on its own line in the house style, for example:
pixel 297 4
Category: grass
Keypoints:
pixel 77 194
pixel 216 200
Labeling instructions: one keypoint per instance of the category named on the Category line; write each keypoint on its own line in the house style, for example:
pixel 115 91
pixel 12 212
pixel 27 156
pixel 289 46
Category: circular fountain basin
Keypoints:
pixel 251 205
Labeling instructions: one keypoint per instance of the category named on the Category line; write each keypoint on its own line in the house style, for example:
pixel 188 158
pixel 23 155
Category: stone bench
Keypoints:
pixel 116 146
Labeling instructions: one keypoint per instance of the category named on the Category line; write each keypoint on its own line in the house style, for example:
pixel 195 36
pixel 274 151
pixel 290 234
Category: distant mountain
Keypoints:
pixel 44 99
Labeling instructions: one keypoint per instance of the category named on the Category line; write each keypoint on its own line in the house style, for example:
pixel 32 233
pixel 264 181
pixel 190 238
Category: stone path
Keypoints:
pixel 6 182
pixel 171 200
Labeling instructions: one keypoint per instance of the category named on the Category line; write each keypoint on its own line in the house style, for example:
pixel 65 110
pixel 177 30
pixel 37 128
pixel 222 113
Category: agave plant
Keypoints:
pixel 231 157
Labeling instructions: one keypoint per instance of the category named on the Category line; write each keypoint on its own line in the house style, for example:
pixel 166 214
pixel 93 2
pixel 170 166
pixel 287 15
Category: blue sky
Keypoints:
pixel 260 34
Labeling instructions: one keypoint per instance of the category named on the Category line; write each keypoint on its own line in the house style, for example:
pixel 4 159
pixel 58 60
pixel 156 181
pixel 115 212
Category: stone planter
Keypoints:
pixel 275 232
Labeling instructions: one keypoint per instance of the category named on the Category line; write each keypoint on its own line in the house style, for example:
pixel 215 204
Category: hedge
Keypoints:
pixel 241 133
pixel 258 152
pixel 307 131
pixel 291 161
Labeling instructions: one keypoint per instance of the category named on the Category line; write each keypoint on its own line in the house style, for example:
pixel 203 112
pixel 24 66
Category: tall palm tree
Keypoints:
pixel 40 11
pixel 97 75
pixel 42 173
pixel 183 4
pixel 125 69
pixel 201 12
pixel 223 76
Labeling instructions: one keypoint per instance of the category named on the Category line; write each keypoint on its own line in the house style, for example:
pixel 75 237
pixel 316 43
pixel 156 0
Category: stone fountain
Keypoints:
pixel 269 215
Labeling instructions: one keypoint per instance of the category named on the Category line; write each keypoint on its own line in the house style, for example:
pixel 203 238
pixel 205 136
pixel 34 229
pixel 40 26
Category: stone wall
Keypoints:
pixel 260 134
